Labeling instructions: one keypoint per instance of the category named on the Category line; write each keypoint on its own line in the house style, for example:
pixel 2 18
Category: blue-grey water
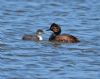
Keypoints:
pixel 21 59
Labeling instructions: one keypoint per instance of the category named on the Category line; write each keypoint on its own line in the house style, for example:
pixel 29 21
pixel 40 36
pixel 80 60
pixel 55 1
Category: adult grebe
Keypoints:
pixel 57 36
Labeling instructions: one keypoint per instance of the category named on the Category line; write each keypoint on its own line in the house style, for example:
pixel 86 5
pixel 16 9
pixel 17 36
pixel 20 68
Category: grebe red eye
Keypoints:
pixel 54 28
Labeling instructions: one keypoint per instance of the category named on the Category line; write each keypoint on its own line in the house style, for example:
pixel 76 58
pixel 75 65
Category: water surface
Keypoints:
pixel 44 60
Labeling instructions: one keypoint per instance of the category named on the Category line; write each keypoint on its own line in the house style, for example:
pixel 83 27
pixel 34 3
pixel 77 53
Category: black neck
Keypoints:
pixel 53 35
pixel 57 33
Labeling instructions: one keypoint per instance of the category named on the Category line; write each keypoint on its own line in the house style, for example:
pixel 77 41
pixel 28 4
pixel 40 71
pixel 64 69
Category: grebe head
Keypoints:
pixel 55 28
pixel 39 32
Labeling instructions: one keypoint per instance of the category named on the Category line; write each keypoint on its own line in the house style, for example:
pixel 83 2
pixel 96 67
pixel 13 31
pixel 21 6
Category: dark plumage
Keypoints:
pixel 57 36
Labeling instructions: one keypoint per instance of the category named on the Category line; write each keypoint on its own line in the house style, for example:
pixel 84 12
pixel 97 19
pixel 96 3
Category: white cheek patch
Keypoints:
pixel 40 37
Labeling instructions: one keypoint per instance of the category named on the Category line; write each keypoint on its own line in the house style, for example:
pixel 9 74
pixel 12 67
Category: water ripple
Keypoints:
pixel 21 59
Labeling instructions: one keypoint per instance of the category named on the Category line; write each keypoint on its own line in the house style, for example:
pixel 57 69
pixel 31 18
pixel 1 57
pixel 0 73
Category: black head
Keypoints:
pixel 55 28
pixel 39 31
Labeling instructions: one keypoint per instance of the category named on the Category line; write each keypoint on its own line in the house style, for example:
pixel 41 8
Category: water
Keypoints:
pixel 43 60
